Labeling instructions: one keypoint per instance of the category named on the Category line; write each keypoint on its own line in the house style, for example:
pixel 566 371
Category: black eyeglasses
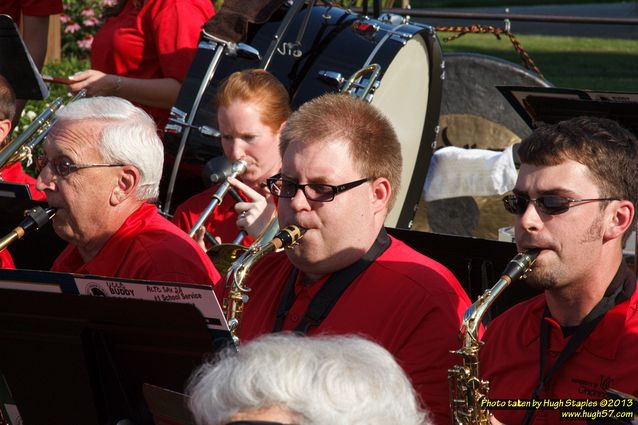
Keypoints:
pixel 549 204
pixel 63 167
pixel 283 188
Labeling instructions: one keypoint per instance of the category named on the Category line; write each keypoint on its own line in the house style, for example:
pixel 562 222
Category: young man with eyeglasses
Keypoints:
pixel 574 200
pixel 341 169
pixel 101 170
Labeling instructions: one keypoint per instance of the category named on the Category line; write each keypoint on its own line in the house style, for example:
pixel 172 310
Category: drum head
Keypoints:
pixel 474 115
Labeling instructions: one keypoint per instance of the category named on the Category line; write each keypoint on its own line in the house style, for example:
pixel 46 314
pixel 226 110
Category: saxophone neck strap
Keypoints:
pixel 323 302
pixel 620 289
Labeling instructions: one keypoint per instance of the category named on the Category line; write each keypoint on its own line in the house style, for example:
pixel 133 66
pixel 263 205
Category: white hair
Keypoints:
pixel 325 380
pixel 129 137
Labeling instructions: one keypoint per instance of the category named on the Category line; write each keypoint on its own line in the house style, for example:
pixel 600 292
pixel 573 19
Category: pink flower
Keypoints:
pixel 109 3
pixel 72 27
pixel 88 12
pixel 86 42
pixel 65 18
pixel 90 22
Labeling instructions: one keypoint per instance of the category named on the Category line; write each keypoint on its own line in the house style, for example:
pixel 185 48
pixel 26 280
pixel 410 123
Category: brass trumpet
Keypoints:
pixel 22 146
pixel 238 167
pixel 35 218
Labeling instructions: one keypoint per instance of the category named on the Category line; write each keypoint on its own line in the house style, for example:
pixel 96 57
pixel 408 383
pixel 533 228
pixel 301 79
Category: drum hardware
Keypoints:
pixel 239 167
pixel 368 30
pixel 175 125
pixel 35 218
pixel 282 30
pixel 355 86
pixel 219 50
pixel 394 19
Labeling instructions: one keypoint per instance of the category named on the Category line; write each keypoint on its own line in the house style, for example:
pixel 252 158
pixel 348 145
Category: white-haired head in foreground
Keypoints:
pixel 324 380
pixel 129 136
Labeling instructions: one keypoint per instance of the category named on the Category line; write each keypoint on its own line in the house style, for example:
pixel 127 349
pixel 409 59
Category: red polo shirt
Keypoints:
pixel 404 301
pixel 15 174
pixel 16 8
pixel 606 359
pixel 157 41
pixel 146 247
pixel 221 222
pixel 6 262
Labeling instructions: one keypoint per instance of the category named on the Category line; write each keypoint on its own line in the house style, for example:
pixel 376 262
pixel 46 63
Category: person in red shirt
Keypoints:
pixel 13 172
pixel 101 169
pixel 252 106
pixel 341 167
pixel 143 51
pixel 574 201
pixel 35 26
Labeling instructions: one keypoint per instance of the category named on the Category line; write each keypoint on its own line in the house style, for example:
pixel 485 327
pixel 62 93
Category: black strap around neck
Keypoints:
pixel 620 289
pixel 329 294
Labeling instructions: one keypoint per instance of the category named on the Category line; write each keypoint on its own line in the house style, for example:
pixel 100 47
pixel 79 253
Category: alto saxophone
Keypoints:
pixel 238 293
pixel 467 389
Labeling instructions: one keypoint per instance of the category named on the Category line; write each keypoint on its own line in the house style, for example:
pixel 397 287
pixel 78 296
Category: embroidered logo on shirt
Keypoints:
pixel 594 389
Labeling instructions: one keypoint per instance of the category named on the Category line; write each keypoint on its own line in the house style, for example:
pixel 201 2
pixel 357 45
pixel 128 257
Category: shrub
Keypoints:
pixel 80 21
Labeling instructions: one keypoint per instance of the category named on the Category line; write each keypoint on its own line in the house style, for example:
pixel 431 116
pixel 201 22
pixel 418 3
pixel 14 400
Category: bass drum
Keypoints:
pixel 337 41
pixel 474 115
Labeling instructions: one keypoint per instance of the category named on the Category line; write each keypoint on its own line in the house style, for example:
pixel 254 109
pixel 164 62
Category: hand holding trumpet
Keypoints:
pixel 255 214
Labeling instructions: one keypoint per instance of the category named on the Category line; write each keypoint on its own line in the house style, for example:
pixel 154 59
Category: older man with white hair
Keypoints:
pixel 101 169
pixel 286 379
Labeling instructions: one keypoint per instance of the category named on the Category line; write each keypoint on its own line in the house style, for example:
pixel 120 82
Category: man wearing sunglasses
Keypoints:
pixel 285 379
pixel 574 202
pixel 340 172
pixel 101 169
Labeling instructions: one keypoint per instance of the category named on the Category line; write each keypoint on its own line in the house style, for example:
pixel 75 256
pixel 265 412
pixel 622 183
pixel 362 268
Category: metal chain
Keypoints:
pixel 488 29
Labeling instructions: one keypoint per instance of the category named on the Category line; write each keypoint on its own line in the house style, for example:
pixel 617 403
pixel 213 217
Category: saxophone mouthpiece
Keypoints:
pixel 37 217
pixel 288 236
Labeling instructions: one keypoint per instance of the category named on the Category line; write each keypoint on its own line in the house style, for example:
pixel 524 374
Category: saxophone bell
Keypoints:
pixel 467 390
pixel 237 291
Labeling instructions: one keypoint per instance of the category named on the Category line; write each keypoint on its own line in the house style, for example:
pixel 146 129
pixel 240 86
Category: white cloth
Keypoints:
pixel 458 172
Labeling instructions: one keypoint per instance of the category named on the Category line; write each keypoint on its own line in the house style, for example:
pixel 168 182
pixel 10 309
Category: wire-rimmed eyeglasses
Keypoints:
pixel 63 166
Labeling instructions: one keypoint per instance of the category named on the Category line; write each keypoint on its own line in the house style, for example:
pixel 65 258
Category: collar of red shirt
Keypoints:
pixel 604 340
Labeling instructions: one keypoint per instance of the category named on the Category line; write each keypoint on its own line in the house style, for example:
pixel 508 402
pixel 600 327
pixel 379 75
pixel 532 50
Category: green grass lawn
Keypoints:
pixel 584 63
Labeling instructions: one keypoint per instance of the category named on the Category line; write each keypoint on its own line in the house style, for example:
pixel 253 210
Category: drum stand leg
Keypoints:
pixel 212 67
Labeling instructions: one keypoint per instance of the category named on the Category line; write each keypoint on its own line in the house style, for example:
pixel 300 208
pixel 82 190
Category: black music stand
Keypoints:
pixel 16 64
pixel 72 359
pixel 549 105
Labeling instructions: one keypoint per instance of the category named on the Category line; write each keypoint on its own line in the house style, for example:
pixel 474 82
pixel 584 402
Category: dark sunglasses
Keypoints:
pixel 283 188
pixel 549 204
pixel 63 167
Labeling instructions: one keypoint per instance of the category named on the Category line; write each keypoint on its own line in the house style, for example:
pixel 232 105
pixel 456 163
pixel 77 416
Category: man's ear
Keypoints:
pixel 622 215
pixel 5 129
pixel 381 191
pixel 127 182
